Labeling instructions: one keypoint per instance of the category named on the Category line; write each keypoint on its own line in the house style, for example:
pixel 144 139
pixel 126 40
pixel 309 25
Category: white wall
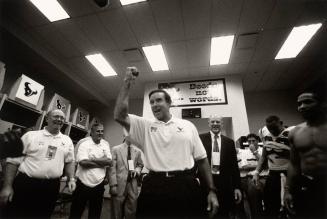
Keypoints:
pixel 113 132
pixel 260 105
pixel 235 107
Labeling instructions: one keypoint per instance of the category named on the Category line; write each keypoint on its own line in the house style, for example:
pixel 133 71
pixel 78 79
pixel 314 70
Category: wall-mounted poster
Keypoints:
pixel 29 90
pixel 195 93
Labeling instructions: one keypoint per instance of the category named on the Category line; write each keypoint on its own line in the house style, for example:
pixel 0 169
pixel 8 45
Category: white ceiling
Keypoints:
pixel 184 28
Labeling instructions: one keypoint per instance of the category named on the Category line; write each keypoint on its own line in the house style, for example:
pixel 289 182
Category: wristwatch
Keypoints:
pixel 72 179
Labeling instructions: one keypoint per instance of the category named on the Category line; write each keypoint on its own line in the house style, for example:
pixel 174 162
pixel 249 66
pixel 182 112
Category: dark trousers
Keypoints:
pixel 170 197
pixel 311 198
pixel 272 194
pixel 225 196
pixel 33 198
pixel 82 194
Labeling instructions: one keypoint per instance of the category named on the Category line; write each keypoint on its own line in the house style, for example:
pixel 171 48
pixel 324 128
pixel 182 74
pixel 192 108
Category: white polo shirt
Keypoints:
pixel 88 150
pixel 167 146
pixel 44 154
pixel 246 157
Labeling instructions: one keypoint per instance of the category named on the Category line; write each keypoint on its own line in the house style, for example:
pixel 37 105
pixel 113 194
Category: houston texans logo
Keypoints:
pixel 60 105
pixel 81 117
pixel 28 91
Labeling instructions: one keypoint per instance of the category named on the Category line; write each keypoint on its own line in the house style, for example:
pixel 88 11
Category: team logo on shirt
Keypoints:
pixel 179 129
pixel 153 129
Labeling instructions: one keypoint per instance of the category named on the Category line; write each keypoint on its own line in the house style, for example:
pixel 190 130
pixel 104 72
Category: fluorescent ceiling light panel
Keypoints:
pixel 51 9
pixel 297 40
pixel 221 48
pixel 156 57
pixel 101 64
pixel 128 2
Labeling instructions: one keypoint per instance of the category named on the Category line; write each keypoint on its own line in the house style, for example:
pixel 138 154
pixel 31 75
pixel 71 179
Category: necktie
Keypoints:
pixel 129 177
pixel 215 144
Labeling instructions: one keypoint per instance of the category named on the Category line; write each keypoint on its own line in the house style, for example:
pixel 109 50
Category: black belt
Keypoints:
pixel 169 174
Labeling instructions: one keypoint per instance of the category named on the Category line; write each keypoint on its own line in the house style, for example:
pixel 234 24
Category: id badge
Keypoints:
pixel 215 158
pixel 51 152
pixel 131 165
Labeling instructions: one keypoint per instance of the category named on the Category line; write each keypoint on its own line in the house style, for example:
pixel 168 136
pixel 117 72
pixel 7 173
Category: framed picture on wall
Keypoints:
pixel 196 93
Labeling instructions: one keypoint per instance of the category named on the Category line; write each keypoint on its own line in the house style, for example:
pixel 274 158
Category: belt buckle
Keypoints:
pixel 169 175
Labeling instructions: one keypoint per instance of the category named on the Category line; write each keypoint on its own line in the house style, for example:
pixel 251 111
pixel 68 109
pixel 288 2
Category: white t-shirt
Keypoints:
pixel 169 146
pixel 44 154
pixel 87 150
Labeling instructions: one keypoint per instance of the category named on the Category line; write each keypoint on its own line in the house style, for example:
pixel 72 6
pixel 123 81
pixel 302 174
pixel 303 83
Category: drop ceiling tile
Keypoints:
pixel 168 19
pixel 255 14
pixel 176 55
pixel 76 36
pixel 285 14
pixel 225 17
pixel 315 12
pixel 237 68
pixel 57 41
pixel 273 73
pixel 142 22
pixel 77 8
pixel 198 72
pixel 269 43
pixel 241 55
pixel 218 70
pixel 96 33
pixel 196 15
pixel 198 52
pixel 117 24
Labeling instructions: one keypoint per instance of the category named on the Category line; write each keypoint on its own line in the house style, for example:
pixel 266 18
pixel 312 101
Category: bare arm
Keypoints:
pixel 262 160
pixel 102 162
pixel 7 191
pixel 88 164
pixel 121 107
pixel 69 169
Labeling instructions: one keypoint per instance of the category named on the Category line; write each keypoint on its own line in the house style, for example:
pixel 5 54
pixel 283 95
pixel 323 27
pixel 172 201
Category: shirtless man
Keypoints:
pixel 305 191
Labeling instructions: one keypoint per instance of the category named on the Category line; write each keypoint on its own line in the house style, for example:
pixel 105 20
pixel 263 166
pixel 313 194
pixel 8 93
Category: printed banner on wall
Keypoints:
pixel 29 90
pixel 194 93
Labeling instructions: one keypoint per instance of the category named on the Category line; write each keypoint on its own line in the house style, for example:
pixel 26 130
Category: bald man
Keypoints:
pixel 221 154
pixel 33 192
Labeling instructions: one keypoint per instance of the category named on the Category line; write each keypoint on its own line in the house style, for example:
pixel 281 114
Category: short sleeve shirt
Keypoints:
pixel 246 157
pixel 44 154
pixel 169 146
pixel 278 150
pixel 88 150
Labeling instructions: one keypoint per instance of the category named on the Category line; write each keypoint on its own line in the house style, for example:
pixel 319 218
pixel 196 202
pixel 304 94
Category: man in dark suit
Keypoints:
pixel 221 155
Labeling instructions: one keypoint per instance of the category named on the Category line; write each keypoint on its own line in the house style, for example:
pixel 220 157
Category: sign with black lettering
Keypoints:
pixel 194 93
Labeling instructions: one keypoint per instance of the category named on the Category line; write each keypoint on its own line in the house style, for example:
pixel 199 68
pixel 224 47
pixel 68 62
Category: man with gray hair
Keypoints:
pixel 34 191
pixel 93 156
pixel 222 157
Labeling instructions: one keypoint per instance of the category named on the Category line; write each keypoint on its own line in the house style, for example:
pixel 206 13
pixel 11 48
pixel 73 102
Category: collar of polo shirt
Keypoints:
pixel 47 133
pixel 172 119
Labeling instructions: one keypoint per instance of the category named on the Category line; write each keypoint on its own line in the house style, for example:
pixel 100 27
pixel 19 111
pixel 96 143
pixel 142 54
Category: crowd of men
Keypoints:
pixel 191 175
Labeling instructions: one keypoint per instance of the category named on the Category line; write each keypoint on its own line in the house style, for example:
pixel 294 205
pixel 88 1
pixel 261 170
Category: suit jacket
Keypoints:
pixel 229 172
pixel 119 170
